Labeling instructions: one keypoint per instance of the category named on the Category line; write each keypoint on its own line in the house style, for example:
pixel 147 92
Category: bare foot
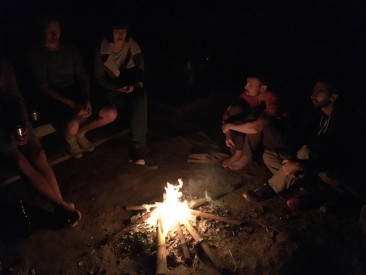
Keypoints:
pixel 239 163
pixel 227 162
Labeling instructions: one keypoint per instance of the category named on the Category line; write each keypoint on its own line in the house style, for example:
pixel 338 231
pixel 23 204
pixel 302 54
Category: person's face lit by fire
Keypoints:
pixel 52 32
pixel 254 87
pixel 321 96
pixel 119 35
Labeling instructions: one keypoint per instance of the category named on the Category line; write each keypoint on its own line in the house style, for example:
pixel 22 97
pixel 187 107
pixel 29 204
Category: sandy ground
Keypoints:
pixel 270 240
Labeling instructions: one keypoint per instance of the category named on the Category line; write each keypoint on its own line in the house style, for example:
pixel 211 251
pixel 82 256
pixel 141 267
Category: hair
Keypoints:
pixel 116 24
pixel 332 84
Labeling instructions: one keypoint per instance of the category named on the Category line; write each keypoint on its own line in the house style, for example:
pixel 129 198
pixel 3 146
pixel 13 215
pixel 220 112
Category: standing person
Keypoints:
pixel 321 149
pixel 119 70
pixel 59 74
pixel 20 146
pixel 254 119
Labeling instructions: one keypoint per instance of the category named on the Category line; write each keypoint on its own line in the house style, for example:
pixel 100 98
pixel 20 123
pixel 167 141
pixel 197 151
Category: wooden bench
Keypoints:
pixel 47 129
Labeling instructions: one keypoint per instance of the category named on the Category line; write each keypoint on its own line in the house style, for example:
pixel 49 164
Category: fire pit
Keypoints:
pixel 172 218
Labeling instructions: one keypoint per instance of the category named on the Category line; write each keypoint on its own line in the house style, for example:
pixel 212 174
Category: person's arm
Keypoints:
pixel 138 58
pixel 137 55
pixel 39 74
pixel 82 77
pixel 13 94
pixel 252 127
pixel 15 123
pixel 49 92
pixel 101 74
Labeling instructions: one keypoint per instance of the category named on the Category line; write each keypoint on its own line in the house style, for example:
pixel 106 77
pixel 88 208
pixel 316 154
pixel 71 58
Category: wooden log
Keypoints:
pixel 161 261
pixel 214 217
pixel 215 259
pixel 215 196
pixel 183 243
pixel 141 207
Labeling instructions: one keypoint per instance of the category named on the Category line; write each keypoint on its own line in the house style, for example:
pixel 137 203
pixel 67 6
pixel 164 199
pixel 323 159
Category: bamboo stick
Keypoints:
pixel 141 207
pixel 214 196
pixel 214 217
pixel 161 261
pixel 209 252
pixel 182 239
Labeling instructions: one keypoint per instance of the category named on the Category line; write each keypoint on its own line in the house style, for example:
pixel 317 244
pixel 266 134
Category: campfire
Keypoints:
pixel 174 214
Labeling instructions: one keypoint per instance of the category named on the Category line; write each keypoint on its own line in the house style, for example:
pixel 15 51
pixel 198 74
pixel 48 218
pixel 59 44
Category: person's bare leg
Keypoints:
pixel 38 181
pixel 39 159
pixel 72 128
pixel 240 163
pixel 227 162
pixel 106 115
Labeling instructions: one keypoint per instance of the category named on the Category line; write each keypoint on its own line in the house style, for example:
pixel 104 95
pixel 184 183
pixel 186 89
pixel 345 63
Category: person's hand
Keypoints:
pixel 291 167
pixel 139 85
pixel 229 141
pixel 226 127
pixel 126 89
pixel 86 111
pixel 20 136
pixel 74 105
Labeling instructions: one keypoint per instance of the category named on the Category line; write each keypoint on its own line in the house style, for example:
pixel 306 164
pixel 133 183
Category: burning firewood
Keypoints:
pixel 214 217
pixel 215 259
pixel 182 239
pixel 161 262
pixel 142 207
pixel 172 212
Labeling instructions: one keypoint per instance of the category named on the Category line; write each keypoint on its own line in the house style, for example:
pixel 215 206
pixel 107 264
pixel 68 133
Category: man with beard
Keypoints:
pixel 254 119
pixel 320 150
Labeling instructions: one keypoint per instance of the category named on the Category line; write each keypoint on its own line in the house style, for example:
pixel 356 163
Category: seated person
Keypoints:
pixel 253 119
pixel 320 149
pixel 119 69
pixel 20 147
pixel 60 76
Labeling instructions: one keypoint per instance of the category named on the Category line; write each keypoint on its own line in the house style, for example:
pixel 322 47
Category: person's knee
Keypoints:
pixel 108 113
pixel 72 127
pixel 37 155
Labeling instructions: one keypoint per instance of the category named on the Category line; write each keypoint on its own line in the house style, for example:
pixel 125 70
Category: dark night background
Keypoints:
pixel 198 47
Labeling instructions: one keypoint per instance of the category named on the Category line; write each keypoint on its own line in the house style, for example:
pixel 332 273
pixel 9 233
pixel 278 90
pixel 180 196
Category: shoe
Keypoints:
pixel 84 143
pixel 303 202
pixel 141 156
pixel 261 193
pixel 74 149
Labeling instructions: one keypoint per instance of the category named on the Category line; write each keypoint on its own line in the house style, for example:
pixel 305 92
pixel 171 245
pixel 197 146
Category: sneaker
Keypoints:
pixel 261 193
pixel 84 143
pixel 142 157
pixel 74 149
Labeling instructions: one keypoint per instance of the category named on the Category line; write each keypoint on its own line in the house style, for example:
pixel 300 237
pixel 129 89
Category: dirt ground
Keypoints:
pixel 270 240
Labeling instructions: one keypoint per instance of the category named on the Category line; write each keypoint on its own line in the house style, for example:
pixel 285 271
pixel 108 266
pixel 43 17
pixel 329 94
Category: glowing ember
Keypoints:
pixel 173 208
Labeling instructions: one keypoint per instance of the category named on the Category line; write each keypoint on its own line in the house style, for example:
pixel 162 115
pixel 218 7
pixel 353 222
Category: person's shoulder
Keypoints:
pixel 68 46
pixel 133 43
pixel 132 40
pixel 36 48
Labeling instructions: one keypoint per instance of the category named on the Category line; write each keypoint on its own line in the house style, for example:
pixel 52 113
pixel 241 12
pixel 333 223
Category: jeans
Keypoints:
pixel 136 105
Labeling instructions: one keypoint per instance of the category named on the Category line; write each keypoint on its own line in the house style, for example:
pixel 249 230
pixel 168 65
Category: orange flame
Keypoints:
pixel 172 209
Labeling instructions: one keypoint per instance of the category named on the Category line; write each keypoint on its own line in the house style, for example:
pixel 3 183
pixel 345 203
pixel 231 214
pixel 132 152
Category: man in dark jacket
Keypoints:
pixel 321 147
